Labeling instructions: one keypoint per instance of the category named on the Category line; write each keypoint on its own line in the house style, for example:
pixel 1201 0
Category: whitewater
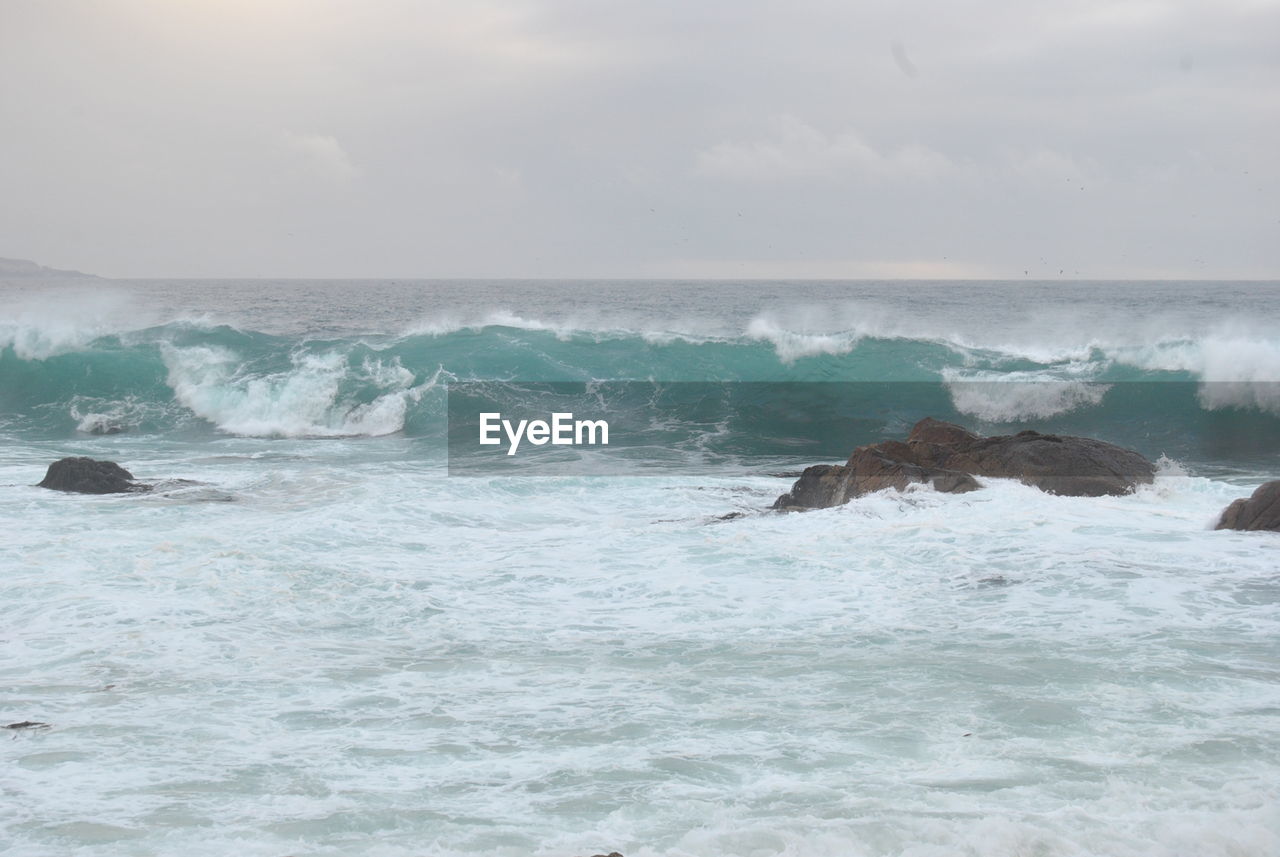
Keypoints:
pixel 326 644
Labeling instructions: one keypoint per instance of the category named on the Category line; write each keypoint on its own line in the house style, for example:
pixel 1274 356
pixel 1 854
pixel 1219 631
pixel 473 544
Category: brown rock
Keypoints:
pixel 870 469
pixel 929 430
pixel 1072 466
pixel 89 476
pixel 1259 511
pixel 949 457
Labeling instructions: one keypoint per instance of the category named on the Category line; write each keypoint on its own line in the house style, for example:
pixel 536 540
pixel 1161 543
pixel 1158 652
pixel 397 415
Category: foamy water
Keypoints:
pixel 329 647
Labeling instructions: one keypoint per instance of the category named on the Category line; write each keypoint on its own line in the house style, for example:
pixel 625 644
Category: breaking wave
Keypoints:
pixel 192 377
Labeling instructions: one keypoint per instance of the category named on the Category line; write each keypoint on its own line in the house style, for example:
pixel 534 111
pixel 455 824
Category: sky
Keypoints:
pixel 645 138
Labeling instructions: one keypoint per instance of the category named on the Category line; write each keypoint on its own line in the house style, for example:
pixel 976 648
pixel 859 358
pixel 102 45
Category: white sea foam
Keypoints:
pixel 792 345
pixel 42 325
pixel 1239 368
pixel 320 664
pixel 357 655
pixel 1020 396
pixel 99 416
pixel 307 400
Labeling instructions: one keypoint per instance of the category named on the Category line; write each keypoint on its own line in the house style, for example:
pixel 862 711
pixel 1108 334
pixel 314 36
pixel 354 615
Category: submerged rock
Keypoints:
pixel 89 476
pixel 1258 511
pixel 949 456
pixel 102 425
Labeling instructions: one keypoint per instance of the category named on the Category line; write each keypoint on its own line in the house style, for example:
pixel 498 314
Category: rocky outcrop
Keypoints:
pixel 949 456
pixel 869 469
pixel 89 476
pixel 1258 511
pixel 1058 464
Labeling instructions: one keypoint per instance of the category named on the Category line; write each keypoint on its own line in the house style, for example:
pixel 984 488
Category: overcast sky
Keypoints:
pixel 645 138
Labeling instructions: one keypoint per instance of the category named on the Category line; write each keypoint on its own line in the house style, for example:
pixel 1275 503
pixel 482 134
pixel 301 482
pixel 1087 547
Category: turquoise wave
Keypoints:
pixel 209 381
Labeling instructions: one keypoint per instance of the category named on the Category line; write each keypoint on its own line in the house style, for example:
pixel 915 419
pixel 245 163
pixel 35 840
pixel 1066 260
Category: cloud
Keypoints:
pixel 571 137
pixel 797 150
pixel 1050 168
pixel 322 155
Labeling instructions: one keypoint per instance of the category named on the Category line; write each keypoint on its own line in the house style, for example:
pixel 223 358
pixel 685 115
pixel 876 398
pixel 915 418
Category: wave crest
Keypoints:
pixel 312 398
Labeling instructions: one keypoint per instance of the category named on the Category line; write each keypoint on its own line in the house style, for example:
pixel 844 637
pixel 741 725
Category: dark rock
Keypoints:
pixel 103 426
pixel 1071 466
pixel 929 430
pixel 949 457
pixel 27 724
pixel 88 476
pixel 1259 511
pixel 869 470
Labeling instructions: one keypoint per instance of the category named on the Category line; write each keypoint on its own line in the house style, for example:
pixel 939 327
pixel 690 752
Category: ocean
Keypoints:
pixel 341 638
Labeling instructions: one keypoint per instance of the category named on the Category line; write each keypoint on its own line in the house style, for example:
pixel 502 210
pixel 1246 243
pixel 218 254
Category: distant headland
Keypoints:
pixel 15 268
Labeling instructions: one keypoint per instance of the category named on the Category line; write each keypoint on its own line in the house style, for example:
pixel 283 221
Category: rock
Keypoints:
pixel 101 424
pixel 88 476
pixel 949 457
pixel 1258 511
pixel 1072 466
pixel 929 430
pixel 27 724
pixel 868 470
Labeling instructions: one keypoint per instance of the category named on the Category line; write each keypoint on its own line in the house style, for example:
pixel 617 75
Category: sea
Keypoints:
pixel 331 629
